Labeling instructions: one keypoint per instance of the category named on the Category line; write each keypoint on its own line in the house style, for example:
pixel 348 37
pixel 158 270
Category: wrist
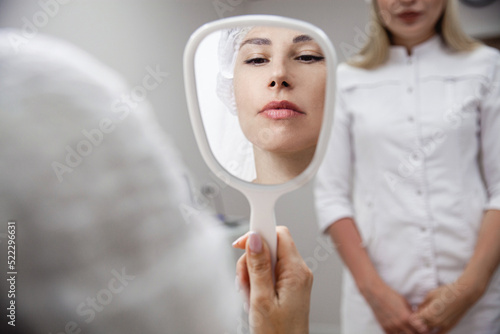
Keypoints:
pixel 370 287
pixel 473 284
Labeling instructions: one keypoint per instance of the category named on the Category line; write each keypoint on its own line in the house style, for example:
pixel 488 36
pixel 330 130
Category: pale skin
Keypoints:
pixel 274 168
pixel 391 309
pixel 276 65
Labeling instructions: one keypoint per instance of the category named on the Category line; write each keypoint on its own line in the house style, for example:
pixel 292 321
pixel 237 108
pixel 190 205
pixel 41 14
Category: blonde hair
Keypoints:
pixel 375 52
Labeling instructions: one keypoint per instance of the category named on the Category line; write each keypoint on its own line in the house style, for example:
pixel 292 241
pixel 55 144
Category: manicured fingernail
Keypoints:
pixel 235 242
pixel 255 243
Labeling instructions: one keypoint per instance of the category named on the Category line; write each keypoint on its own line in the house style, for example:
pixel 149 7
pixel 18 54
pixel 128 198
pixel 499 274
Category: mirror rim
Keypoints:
pixel 194 108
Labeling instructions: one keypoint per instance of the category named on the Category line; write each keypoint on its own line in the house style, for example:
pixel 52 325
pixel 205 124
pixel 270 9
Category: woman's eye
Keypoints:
pixel 310 58
pixel 256 61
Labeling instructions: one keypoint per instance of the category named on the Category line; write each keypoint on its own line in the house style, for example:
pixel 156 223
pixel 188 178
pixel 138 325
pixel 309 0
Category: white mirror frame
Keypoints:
pixel 262 198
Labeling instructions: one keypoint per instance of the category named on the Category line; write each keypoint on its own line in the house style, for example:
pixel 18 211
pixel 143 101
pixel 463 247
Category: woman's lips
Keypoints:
pixel 410 16
pixel 281 110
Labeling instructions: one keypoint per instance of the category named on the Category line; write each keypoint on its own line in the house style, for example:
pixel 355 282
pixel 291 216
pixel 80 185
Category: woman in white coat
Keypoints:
pixel 410 188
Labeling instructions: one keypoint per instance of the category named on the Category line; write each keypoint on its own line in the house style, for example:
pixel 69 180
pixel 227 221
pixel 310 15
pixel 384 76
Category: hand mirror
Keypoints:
pixel 260 92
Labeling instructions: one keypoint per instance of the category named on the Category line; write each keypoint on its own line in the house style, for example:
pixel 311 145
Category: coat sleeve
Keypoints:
pixel 333 184
pixel 490 135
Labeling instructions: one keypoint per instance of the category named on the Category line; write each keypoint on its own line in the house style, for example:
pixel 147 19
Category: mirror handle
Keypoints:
pixel 263 221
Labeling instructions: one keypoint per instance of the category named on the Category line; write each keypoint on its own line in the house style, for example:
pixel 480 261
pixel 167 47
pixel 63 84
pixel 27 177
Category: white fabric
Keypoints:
pixel 118 212
pixel 229 46
pixel 403 161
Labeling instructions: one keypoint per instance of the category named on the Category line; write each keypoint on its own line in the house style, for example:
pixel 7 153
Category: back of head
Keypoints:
pixel 97 194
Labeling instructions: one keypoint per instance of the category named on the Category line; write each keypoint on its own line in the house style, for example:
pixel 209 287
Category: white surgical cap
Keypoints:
pixel 229 45
pixel 214 64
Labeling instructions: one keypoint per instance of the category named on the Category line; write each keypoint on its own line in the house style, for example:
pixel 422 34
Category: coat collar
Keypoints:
pixel 431 45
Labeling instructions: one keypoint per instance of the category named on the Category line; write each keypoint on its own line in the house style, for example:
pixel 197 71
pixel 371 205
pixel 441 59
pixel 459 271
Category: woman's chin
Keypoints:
pixel 285 148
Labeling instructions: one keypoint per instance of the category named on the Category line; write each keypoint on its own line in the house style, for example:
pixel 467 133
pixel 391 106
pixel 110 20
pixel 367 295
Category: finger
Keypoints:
pixel 425 315
pixel 243 280
pixel 286 246
pixel 404 327
pixel 408 329
pixel 258 260
pixel 397 330
pixel 241 241
pixel 400 330
pixel 294 279
pixel 418 323
pixel 428 299
pixel 428 315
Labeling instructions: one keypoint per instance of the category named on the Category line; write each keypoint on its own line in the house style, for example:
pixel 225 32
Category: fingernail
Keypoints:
pixel 246 307
pixel 235 242
pixel 255 243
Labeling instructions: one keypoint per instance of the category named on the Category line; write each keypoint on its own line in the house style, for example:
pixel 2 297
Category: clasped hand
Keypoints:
pixel 440 311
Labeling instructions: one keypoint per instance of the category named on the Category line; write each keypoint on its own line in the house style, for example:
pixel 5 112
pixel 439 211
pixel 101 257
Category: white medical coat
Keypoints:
pixel 414 158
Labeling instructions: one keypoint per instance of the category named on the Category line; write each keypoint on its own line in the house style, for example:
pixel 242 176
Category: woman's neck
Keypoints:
pixel 277 168
pixel 410 43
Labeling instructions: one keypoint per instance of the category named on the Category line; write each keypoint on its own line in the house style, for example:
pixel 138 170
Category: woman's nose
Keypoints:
pixel 277 83
pixel 279 77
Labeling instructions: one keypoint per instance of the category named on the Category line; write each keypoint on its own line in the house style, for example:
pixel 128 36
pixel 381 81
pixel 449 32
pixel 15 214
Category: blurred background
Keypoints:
pixel 131 36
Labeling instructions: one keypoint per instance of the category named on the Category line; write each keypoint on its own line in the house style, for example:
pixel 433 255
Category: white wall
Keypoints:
pixel 481 22
pixel 130 35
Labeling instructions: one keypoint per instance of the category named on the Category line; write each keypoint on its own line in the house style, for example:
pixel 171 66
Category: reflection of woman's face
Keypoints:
pixel 410 20
pixel 279 86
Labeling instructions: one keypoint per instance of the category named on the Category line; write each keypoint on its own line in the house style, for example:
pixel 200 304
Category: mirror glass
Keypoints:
pixel 261 94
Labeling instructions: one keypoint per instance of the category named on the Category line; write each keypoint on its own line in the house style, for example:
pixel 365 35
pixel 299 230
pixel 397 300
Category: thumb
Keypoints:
pixel 427 300
pixel 259 269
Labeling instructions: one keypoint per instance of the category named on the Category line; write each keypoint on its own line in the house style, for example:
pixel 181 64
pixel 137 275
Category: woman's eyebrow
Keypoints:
pixel 267 41
pixel 302 38
pixel 256 41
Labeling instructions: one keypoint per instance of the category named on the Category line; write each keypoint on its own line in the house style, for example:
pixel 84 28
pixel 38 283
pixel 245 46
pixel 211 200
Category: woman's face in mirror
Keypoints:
pixel 411 20
pixel 279 87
